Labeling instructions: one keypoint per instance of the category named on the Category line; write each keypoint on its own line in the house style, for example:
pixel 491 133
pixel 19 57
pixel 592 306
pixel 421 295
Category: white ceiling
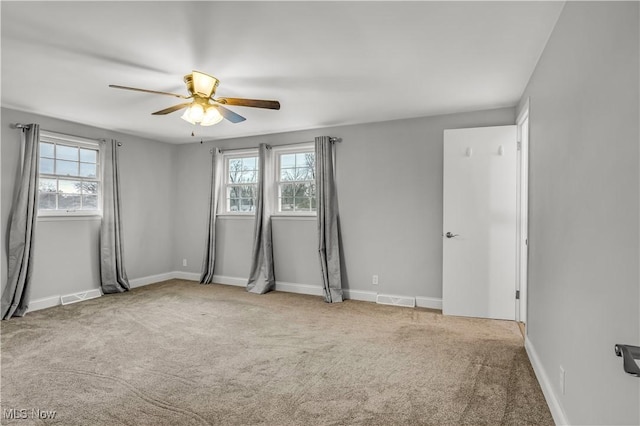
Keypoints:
pixel 328 63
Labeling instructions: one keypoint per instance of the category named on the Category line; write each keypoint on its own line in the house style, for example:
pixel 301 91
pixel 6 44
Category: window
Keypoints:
pixel 241 182
pixel 69 176
pixel 296 179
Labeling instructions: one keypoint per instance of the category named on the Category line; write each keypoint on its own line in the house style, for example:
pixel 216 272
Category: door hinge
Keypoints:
pixel 519 146
pixel 517 294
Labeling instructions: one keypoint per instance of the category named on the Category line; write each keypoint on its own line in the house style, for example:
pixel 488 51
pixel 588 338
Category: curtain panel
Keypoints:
pixel 15 298
pixel 328 232
pixel 261 277
pixel 113 275
pixel 209 260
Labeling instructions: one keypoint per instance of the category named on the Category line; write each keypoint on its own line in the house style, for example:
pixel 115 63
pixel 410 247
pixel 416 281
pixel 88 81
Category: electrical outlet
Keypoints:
pixel 374 280
pixel 562 379
pixel 184 262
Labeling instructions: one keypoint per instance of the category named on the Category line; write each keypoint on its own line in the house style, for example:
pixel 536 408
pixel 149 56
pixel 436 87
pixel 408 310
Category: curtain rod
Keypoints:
pixel 333 140
pixel 26 126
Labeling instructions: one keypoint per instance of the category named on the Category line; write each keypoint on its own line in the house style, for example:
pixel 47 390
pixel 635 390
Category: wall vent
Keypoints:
pixel 387 299
pixel 80 296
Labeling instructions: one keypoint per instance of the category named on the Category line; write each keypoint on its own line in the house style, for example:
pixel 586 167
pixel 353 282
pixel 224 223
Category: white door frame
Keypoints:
pixel 522 235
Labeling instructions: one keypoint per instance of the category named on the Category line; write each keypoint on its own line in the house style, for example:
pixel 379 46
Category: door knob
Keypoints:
pixel 450 235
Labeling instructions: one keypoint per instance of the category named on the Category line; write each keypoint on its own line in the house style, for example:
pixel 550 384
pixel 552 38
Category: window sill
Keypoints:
pixel 56 218
pixel 279 216
pixel 309 217
pixel 233 216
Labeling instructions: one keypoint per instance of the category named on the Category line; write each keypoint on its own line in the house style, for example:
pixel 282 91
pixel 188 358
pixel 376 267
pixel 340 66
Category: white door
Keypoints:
pixel 479 233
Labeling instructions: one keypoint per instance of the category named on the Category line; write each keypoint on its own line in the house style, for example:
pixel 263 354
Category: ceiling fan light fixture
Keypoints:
pixel 211 116
pixel 198 114
pixel 204 84
pixel 189 114
pixel 187 117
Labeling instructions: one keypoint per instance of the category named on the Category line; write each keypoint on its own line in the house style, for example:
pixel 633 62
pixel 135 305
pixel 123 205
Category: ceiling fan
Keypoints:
pixel 203 108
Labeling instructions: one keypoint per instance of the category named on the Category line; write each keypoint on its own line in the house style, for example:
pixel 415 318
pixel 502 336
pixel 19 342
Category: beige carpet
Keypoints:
pixel 179 353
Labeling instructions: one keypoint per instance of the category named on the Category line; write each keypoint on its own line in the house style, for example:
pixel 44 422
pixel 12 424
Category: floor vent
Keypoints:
pixel 387 299
pixel 79 297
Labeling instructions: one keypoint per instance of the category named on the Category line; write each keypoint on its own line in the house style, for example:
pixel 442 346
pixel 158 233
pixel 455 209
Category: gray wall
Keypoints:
pixel 584 196
pixel 67 249
pixel 389 178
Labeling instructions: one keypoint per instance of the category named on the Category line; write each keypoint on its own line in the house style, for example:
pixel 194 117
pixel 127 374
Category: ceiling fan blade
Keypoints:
pixel 171 109
pixel 255 103
pixel 115 86
pixel 230 115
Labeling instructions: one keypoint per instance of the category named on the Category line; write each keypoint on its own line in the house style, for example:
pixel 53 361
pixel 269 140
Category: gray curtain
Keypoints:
pixel 261 277
pixel 15 298
pixel 113 275
pixel 328 242
pixel 208 262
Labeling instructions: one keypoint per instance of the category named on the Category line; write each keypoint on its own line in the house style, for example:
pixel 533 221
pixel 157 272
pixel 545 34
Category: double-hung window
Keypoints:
pixel 296 179
pixel 69 176
pixel 241 181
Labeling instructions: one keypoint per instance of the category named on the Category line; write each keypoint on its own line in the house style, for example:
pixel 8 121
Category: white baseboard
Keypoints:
pixel 51 301
pixel 429 302
pixel 370 296
pixel 151 279
pixel 280 285
pixel 43 303
pixel 189 276
pixel 394 300
pixel 553 402
pixel 314 290
pixel 237 281
pixel 364 296
pixel 67 299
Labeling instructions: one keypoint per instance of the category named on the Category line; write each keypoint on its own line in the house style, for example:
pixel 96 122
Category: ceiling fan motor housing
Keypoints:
pixel 201 84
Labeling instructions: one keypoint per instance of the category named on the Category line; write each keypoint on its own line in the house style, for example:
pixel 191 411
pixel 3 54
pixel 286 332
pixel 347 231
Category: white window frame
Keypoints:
pixel 74 141
pixel 224 209
pixel 277 152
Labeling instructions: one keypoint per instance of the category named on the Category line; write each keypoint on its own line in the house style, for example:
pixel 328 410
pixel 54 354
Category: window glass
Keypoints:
pixel 67 152
pixel 68 179
pixel 293 180
pixel 296 181
pixel 46 150
pixel 241 183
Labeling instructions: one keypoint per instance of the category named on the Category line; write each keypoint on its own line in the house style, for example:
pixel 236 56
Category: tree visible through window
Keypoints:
pixel 241 184
pixel 294 180
pixel 68 179
pixel 297 182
